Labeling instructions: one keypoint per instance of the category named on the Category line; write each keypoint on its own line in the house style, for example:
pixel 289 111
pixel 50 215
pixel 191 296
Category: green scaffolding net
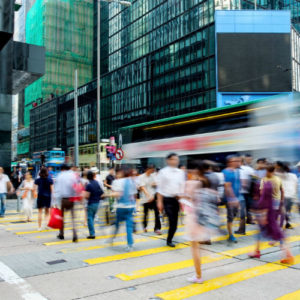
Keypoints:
pixel 65 29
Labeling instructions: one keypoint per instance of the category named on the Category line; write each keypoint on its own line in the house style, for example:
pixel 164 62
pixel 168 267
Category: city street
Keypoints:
pixel 36 265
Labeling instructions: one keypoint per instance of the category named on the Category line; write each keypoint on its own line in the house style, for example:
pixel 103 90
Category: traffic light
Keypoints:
pixel 43 159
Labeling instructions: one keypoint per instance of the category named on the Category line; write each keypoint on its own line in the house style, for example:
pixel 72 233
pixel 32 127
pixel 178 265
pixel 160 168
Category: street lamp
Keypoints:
pixel 127 4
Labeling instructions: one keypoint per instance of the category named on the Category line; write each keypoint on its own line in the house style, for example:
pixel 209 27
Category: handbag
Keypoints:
pixel 78 189
pixel 206 207
pixel 56 219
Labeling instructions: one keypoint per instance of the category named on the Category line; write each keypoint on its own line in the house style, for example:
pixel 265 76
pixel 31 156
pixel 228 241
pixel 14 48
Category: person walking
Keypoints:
pixel 64 192
pixel 27 192
pixel 277 192
pixel 108 184
pixel 233 198
pixel 147 185
pixel 290 187
pixel 266 214
pixel 93 193
pixel 5 187
pixel 247 175
pixel 201 209
pixel 44 186
pixel 125 190
pixel 170 186
pixel 110 178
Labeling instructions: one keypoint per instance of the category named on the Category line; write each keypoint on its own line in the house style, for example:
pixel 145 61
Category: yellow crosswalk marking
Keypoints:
pixel 53 230
pixel 219 282
pixel 98 238
pixel 152 271
pixel 71 250
pixel 99 260
pixel 290 296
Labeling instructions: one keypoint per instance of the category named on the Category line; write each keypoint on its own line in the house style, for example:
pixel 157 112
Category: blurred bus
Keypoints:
pixel 53 158
pixel 264 128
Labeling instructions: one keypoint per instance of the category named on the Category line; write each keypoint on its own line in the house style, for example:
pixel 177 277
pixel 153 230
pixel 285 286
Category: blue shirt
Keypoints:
pixel 233 176
pixel 93 187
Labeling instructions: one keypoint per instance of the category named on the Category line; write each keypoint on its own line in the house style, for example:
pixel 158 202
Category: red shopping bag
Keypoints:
pixel 56 219
pixel 78 188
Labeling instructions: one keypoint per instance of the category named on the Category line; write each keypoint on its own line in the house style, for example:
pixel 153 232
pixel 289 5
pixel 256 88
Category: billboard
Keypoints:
pixel 254 62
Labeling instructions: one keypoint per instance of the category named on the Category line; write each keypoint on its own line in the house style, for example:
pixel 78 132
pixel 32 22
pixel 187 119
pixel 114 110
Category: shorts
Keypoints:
pixel 43 202
pixel 232 212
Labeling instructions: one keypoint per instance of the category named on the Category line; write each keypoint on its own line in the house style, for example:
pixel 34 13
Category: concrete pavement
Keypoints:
pixel 35 265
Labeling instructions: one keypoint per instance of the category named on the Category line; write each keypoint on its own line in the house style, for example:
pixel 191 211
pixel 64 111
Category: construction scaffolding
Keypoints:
pixel 65 28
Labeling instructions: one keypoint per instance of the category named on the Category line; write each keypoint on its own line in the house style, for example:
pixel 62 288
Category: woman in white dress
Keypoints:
pixel 27 193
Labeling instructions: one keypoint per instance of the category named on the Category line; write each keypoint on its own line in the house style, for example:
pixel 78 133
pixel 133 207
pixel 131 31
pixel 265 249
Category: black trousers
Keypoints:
pixel 171 206
pixel 66 204
pixel 147 207
pixel 248 200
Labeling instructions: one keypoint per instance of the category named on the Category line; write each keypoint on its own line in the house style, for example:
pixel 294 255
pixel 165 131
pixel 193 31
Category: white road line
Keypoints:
pixel 24 288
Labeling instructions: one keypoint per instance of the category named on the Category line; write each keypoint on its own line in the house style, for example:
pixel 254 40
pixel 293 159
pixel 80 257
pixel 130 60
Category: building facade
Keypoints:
pixel 20 65
pixel 160 62
pixel 65 29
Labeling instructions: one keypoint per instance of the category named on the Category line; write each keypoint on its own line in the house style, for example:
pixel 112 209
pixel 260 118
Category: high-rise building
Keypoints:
pixel 160 62
pixel 65 29
pixel 20 65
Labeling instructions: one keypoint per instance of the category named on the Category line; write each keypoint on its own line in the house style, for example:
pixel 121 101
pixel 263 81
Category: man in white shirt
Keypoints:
pixel 64 190
pixel 4 183
pixel 147 186
pixel 170 186
pixel 246 173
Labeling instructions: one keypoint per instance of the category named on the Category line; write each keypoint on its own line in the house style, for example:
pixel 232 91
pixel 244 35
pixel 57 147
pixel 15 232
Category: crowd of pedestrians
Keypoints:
pixel 261 193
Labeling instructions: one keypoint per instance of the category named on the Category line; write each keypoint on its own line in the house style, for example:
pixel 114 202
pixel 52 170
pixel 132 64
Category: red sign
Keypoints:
pixel 119 154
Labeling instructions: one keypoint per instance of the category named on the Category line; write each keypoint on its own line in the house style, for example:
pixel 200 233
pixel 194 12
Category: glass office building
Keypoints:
pixel 161 61
pixel 157 61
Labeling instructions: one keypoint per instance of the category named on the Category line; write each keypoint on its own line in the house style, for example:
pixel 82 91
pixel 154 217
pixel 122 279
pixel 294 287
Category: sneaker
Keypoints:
pixel 40 229
pixel 289 260
pixel 288 226
pixel 232 239
pixel 158 232
pixel 91 237
pixel 195 279
pixel 240 232
pixel 129 249
pixel 255 254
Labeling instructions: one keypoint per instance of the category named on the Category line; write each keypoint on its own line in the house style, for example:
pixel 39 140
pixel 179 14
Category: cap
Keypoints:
pixel 94 170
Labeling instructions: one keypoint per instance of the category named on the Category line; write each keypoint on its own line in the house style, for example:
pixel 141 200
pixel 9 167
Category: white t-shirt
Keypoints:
pixel 148 183
pixel 3 183
pixel 289 184
pixel 245 174
pixel 118 185
pixel 170 182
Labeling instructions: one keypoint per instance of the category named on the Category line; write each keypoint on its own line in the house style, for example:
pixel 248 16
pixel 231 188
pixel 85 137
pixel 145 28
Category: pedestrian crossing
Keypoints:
pixel 291 296
pixel 223 281
pixel 170 268
pixel 152 271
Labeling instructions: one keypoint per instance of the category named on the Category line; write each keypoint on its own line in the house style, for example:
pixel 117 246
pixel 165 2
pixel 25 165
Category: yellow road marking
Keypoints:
pixel 219 282
pixel 52 230
pixel 99 260
pixel 290 296
pixel 71 250
pixel 152 271
pixel 97 238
